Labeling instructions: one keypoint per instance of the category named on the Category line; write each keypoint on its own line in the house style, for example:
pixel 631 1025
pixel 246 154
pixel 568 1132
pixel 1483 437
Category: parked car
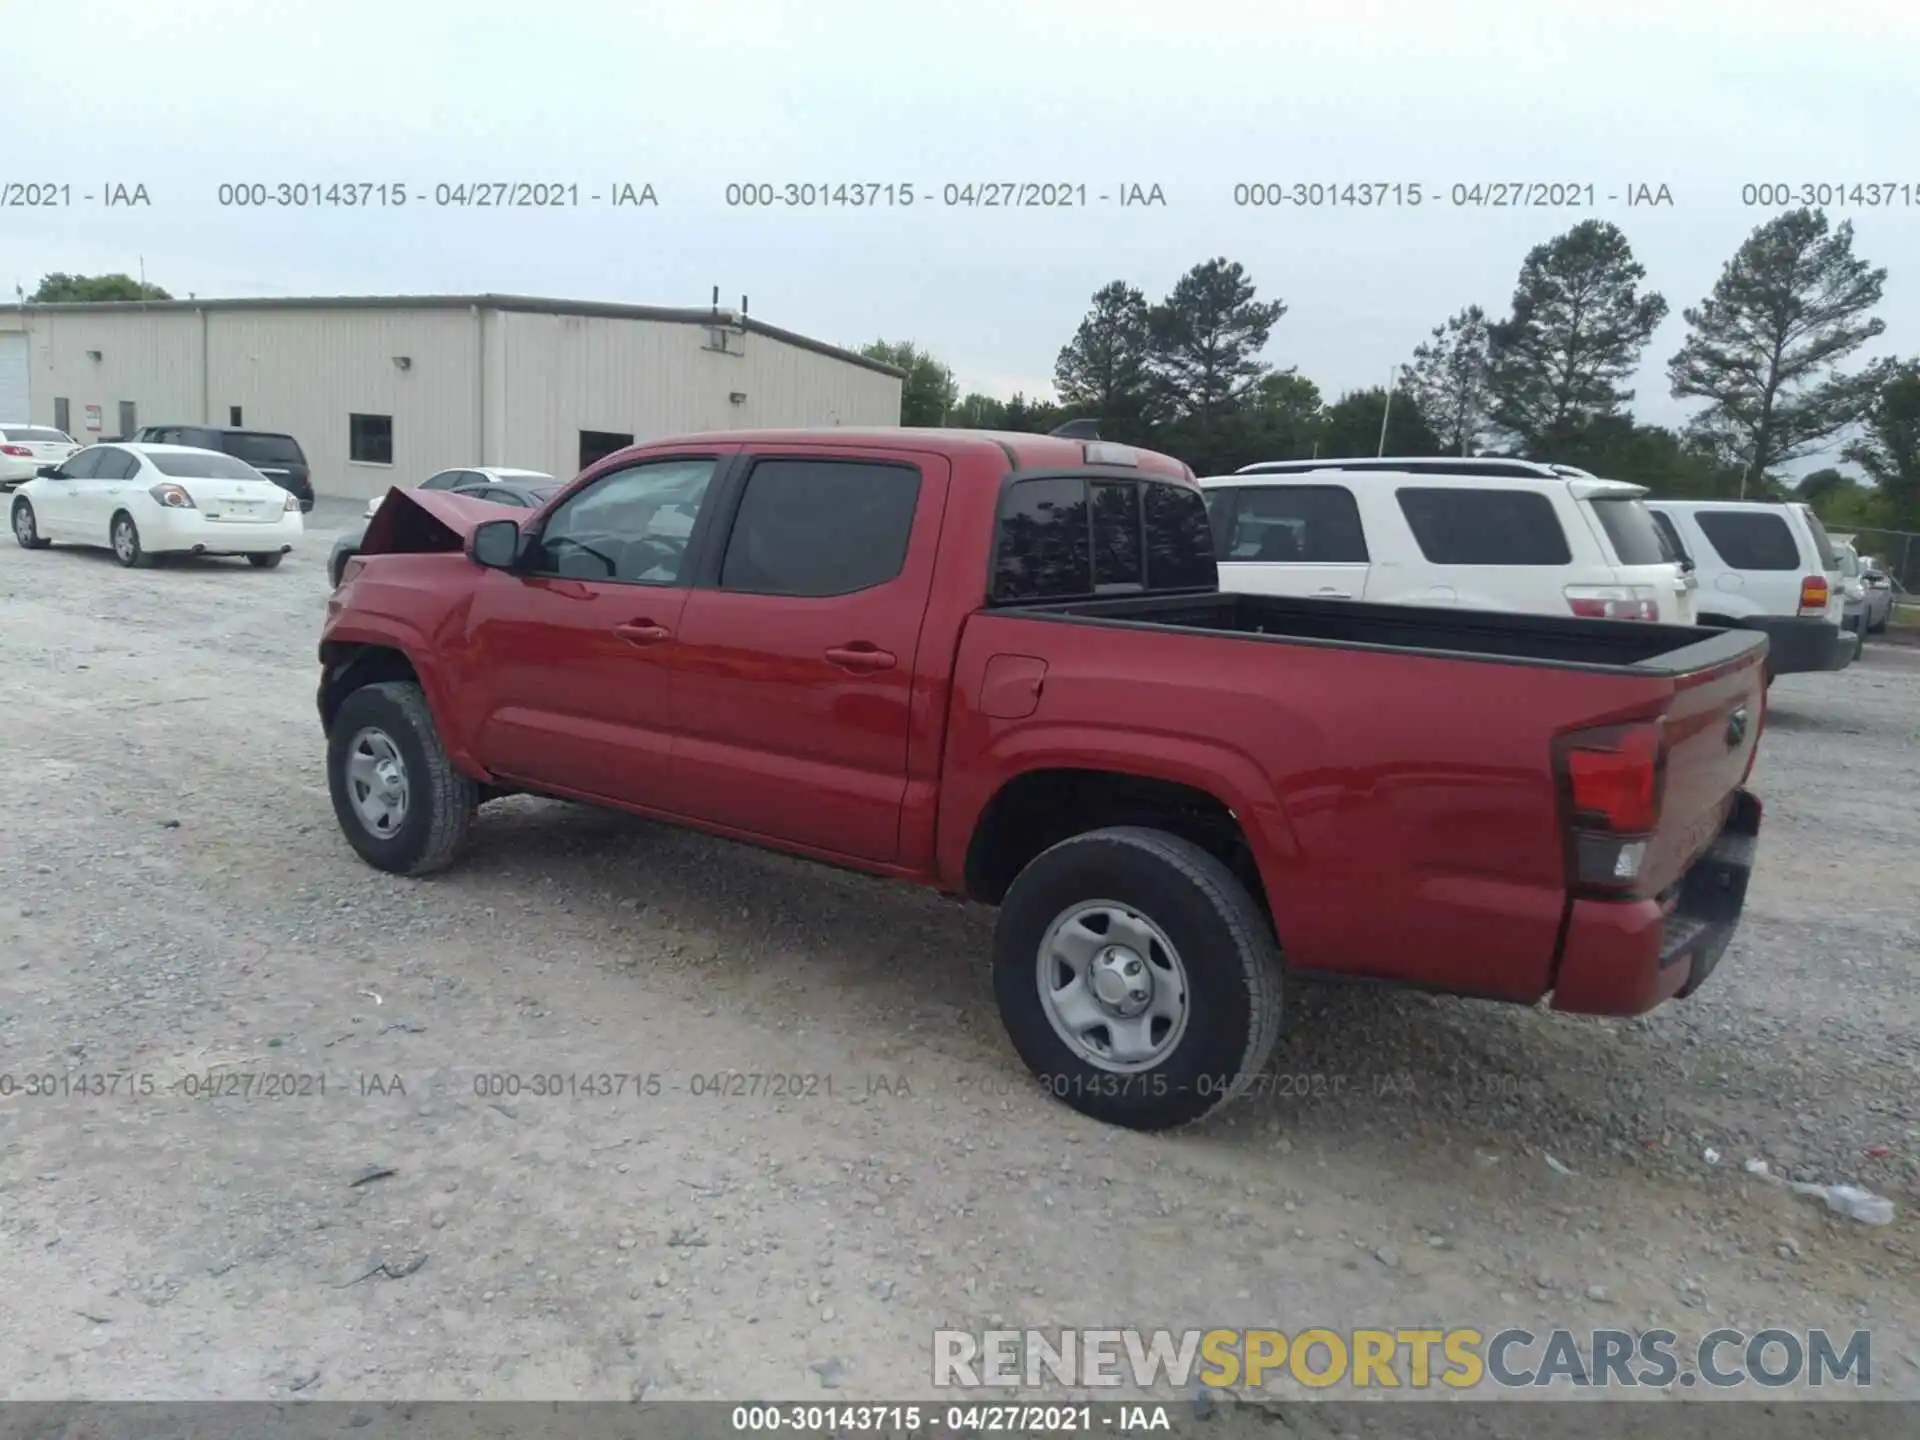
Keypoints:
pixel 25 448
pixel 525 490
pixel 1852 583
pixel 1769 567
pixel 473 475
pixel 1478 534
pixel 1000 665
pixel 145 501
pixel 273 453
pixel 1879 586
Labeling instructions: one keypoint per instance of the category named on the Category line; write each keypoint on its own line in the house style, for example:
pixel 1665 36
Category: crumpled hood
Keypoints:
pixel 415 522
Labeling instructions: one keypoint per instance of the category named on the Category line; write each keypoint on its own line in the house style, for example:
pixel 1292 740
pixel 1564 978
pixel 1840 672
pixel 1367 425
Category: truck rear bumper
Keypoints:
pixel 1625 957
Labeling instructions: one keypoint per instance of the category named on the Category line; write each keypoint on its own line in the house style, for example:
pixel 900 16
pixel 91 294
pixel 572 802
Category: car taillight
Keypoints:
pixel 1814 595
pixel 174 497
pixel 1612 784
pixel 293 501
pixel 1613 602
pixel 19 451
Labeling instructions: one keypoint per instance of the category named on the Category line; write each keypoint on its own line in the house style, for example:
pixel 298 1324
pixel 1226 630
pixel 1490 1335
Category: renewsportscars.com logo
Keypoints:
pixel 1381 1359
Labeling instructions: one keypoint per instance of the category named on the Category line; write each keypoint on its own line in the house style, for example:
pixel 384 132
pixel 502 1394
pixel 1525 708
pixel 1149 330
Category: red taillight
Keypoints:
pixel 1614 779
pixel 19 451
pixel 1616 786
pixel 1814 594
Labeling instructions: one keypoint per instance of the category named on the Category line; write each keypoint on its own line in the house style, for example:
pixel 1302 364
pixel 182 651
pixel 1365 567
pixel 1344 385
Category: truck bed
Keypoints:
pixel 1483 635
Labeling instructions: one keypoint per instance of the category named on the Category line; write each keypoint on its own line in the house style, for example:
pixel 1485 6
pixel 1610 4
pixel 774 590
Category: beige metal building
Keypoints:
pixel 386 390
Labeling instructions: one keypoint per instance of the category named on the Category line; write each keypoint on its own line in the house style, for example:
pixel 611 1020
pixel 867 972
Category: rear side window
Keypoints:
pixel 1457 526
pixel 1676 547
pixel 1822 542
pixel 1631 530
pixel 1750 539
pixel 1065 536
pixel 820 527
pixel 258 449
pixel 1309 524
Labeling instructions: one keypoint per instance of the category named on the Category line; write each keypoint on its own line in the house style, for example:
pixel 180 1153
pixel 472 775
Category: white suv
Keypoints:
pixel 1767 566
pixel 1477 533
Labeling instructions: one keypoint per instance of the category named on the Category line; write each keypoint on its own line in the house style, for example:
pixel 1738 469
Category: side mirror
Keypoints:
pixel 52 472
pixel 496 544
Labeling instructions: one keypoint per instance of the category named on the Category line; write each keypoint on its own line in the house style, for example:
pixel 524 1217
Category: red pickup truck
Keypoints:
pixel 1000 665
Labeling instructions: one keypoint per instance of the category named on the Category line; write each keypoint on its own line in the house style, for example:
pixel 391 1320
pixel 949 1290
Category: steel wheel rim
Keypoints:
pixel 377 784
pixel 123 539
pixel 23 524
pixel 1113 986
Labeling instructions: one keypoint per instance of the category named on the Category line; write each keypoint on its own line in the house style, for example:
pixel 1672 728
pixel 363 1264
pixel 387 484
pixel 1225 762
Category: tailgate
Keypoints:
pixel 1713 726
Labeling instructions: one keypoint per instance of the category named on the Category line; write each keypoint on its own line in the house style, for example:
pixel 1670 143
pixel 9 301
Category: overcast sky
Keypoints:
pixel 1195 97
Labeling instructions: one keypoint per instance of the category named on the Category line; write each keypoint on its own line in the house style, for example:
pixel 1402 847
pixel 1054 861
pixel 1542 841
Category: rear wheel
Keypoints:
pixel 266 562
pixel 26 526
pixel 399 800
pixel 1136 977
pixel 126 542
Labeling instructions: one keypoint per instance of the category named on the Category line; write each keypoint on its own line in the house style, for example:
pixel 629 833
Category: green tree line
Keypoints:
pixel 1766 352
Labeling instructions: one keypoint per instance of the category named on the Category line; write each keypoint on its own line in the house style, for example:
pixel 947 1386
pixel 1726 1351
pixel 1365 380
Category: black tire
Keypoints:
pixel 441 801
pixel 26 526
pixel 133 555
pixel 1224 945
pixel 266 562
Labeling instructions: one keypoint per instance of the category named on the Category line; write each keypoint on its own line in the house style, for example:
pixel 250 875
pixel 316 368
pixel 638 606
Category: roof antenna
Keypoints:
pixel 1077 430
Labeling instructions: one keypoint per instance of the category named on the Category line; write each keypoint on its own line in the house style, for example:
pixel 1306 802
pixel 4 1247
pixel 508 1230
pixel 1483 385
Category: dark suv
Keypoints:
pixel 275 455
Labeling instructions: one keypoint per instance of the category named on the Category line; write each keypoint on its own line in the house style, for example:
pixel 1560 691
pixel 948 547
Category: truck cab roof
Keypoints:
pixel 1022 450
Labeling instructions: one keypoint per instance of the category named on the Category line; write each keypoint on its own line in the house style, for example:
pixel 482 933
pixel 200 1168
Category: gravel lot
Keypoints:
pixel 175 901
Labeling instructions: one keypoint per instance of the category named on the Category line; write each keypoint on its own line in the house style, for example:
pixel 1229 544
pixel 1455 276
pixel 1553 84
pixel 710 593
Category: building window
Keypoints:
pixel 370 439
pixel 596 445
pixel 60 417
pixel 233 415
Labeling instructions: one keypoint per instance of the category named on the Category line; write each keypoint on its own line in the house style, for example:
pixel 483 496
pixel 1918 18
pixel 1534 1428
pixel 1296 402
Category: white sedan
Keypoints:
pixel 143 501
pixel 25 448
pixel 472 475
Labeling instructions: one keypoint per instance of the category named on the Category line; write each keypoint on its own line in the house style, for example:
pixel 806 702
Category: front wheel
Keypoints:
pixel 400 801
pixel 1136 977
pixel 26 526
pixel 266 562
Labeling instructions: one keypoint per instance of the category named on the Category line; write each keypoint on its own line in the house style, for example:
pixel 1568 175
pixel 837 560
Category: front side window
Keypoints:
pixel 1458 526
pixel 820 527
pixel 81 466
pixel 632 526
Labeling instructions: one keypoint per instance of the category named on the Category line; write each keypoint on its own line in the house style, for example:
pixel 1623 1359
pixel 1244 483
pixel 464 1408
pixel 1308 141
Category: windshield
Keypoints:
pixel 202 465
pixel 1630 528
pixel 260 449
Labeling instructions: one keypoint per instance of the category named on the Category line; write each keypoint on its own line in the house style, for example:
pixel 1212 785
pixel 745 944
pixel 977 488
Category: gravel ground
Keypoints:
pixel 176 901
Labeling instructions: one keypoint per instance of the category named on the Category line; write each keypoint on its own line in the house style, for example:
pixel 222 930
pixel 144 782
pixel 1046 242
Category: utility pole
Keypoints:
pixel 1386 410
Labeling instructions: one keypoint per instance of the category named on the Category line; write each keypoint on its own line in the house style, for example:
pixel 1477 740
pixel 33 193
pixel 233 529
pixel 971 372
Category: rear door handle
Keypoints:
pixel 642 632
pixel 861 657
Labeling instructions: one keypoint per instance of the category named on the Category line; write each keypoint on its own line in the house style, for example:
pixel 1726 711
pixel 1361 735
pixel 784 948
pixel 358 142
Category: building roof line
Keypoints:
pixel 512 304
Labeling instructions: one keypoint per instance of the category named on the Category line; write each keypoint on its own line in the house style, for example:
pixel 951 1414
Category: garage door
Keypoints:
pixel 13 376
